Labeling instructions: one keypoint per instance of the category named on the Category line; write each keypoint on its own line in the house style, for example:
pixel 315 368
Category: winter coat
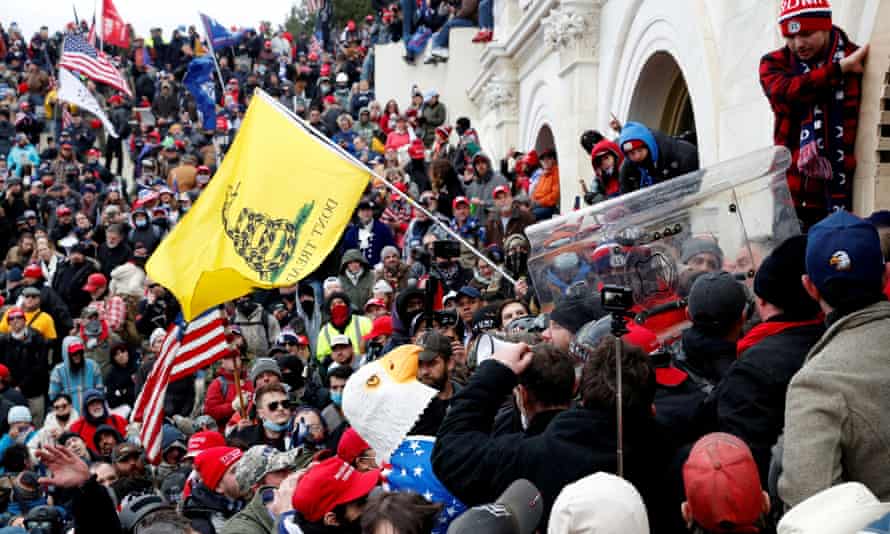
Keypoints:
pixel 483 189
pixel 837 413
pixel 120 385
pixel 207 510
pixel 127 279
pixel 378 236
pixel 69 281
pixel 518 222
pixel 750 400
pixel 546 193
pixel 434 116
pixel 259 329
pixel 27 362
pixel 476 468
pixel 254 518
pixel 63 379
pixel 363 289
pixel 668 158
pixel 110 258
pixel 52 428
pixel 87 430
pixel 221 393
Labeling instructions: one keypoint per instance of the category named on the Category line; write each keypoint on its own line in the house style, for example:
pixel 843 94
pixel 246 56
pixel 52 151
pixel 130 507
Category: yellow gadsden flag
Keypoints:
pixel 271 214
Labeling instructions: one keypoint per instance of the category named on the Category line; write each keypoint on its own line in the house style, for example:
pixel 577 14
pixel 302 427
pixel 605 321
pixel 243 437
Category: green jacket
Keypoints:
pixel 254 518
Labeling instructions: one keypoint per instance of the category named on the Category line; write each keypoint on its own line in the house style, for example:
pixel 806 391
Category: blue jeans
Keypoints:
pixel 440 39
pixel 409 10
pixel 368 67
pixel 486 15
pixel 542 213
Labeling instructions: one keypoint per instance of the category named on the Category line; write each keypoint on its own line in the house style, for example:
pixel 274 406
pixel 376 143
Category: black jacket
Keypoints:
pixel 750 401
pixel 109 258
pixel 675 158
pixel 476 467
pixel 120 385
pixel 706 357
pixel 51 303
pixel 254 435
pixel 69 282
pixel 208 510
pixel 27 362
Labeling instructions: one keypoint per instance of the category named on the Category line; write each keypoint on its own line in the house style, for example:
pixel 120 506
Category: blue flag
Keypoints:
pixel 199 81
pixel 217 34
pixel 412 470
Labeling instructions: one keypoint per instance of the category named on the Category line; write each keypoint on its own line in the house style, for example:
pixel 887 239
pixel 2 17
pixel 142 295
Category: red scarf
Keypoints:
pixel 767 329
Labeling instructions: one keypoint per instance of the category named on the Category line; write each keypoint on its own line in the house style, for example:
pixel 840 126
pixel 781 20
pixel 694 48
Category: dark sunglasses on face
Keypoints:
pixel 60 406
pixel 274 405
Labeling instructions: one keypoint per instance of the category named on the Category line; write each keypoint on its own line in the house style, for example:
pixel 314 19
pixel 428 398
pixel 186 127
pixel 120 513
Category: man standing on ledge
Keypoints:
pixel 813 84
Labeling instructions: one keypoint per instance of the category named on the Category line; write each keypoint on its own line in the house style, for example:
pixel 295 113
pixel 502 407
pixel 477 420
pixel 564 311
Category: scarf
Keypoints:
pixel 767 329
pixel 822 130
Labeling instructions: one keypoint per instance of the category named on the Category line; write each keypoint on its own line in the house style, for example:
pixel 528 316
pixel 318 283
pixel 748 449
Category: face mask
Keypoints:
pixel 274 427
pixel 517 262
pixel 245 307
pixel 337 398
pixel 308 306
pixel 141 223
pixel 339 314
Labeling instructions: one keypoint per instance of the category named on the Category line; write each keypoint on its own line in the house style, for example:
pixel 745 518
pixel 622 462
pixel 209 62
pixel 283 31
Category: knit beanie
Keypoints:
pixel 213 463
pixel 574 312
pixel 264 365
pixel 800 16
pixel 18 414
pixel 778 280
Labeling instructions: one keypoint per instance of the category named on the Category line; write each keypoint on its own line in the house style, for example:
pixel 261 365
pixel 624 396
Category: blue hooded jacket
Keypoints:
pixel 75 383
pixel 634 131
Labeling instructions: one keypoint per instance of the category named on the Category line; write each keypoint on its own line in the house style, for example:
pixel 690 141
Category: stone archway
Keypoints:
pixel 661 97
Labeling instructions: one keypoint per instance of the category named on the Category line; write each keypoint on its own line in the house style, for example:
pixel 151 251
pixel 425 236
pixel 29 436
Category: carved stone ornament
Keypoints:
pixel 499 94
pixel 563 27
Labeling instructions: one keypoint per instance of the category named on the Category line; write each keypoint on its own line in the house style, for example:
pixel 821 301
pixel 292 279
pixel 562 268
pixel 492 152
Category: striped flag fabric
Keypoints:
pixel 78 55
pixel 66 117
pixel 185 350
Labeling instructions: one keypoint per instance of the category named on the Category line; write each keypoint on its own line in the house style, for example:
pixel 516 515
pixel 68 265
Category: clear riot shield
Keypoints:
pixel 656 240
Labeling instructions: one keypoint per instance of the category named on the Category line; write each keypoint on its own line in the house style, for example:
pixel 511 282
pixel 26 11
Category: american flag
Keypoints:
pixel 78 55
pixel 185 350
pixel 412 470
pixel 66 117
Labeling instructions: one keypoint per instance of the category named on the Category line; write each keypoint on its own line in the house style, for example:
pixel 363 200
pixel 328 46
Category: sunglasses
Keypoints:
pixel 60 406
pixel 275 405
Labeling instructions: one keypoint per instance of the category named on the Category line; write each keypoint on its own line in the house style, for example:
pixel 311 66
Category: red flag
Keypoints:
pixel 114 30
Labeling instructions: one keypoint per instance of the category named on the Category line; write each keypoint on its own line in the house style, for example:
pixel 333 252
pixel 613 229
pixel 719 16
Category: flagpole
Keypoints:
pixel 101 20
pixel 352 159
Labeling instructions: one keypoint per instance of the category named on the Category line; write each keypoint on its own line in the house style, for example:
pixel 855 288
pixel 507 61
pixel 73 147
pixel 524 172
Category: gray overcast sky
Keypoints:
pixel 144 14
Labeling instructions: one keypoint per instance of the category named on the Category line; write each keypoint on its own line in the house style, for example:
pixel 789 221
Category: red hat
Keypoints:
pixel 33 271
pixel 48 180
pixel 95 124
pixel 500 189
pixel 302 341
pixel 203 169
pixel 222 123
pixel 330 99
pixel 14 312
pixel 213 463
pixel 267 44
pixel 179 144
pixel 723 485
pixel 329 484
pixel 77 346
pixel 350 25
pixel 4 372
pixel 633 144
pixel 370 18
pixel 325 70
pixel 375 302
pixel 382 326
pixel 804 16
pixel 63 210
pixel 115 99
pixel 201 441
pixel 93 152
pixel 459 200
pixel 94 282
pixel 531 158
pixel 313 56
pixel 351 446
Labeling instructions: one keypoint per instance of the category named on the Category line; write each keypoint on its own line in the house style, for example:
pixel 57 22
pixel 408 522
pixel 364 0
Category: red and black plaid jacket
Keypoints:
pixel 791 96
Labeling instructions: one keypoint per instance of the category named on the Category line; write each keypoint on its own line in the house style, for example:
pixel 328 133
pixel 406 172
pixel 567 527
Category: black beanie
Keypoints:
pixel 574 312
pixel 778 280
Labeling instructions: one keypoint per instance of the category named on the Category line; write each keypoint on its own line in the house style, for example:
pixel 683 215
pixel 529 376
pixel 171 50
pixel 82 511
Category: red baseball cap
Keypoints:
pixel 459 200
pixel 330 99
pixel 93 152
pixel 351 446
pixel 201 441
pixel 15 312
pixel 115 99
pixel 382 326
pixel 500 189
pixel 723 485
pixel 4 373
pixel 329 484
pixel 213 463
pixel 94 282
pixel 77 346
pixel 63 210
pixel 33 271
pixel 375 302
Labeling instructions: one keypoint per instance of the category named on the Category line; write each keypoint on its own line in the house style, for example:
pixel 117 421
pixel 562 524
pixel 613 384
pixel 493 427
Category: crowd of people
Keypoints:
pixel 771 398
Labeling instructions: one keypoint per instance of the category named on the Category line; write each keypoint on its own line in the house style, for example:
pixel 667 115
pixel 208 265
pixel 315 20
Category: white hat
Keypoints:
pixel 340 340
pixel 382 286
pixel 18 414
pixel 600 503
pixel 842 509
pixel 158 333
pixel 451 295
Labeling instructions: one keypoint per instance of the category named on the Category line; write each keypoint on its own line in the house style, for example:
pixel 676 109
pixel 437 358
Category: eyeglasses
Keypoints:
pixel 60 406
pixel 275 405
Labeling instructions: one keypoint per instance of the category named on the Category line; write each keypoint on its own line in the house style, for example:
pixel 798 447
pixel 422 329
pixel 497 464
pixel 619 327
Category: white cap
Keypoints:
pixel 382 286
pixel 340 340
pixel 600 503
pixel 842 509
pixel 451 295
